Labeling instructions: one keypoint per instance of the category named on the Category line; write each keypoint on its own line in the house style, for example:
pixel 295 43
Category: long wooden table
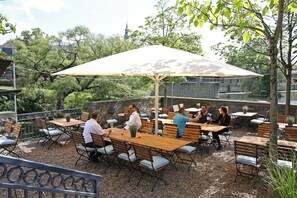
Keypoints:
pixel 153 141
pixel 261 141
pixel 204 127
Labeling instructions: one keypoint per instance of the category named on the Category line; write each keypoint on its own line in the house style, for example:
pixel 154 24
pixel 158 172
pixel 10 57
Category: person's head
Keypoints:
pixel 223 110
pixel 132 108
pixel 182 110
pixel 95 115
pixel 203 108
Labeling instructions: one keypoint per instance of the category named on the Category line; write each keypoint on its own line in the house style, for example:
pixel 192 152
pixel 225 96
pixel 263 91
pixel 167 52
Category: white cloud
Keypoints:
pixel 44 6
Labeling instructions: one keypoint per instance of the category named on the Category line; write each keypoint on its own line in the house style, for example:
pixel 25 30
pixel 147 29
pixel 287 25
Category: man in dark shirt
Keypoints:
pixel 204 116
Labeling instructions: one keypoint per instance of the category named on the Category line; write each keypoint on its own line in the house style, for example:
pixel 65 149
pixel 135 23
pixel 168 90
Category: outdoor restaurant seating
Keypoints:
pixel 81 150
pixel 227 135
pixel 124 156
pixel 48 134
pixel 106 152
pixel 9 143
pixel 290 133
pixel 281 118
pixel 147 126
pixel 84 117
pixel 285 156
pixel 264 130
pixel 150 162
pixel 246 154
pixel 189 134
pixel 7 128
pixel 171 115
pixel 170 130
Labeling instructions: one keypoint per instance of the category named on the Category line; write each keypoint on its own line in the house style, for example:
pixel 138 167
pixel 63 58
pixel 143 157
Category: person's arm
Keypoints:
pixel 106 132
pixel 194 119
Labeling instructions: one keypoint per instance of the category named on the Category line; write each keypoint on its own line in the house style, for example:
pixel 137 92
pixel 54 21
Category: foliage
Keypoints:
pixel 282 180
pixel 6 103
pixel 5 26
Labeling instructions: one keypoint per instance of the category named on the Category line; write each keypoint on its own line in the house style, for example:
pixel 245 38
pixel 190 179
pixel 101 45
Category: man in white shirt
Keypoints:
pixel 92 126
pixel 134 119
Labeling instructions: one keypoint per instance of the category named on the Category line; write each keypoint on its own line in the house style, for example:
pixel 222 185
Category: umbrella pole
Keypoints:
pixel 157 82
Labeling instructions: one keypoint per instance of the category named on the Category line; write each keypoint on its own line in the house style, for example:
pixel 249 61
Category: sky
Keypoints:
pixel 100 16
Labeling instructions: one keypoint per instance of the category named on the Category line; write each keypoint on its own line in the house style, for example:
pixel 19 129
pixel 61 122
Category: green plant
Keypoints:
pixel 245 109
pixel 282 180
pixel 67 116
pixel 133 130
pixel 290 120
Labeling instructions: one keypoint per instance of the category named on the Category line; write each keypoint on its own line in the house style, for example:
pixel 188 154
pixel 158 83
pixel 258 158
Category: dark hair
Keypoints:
pixel 133 105
pixel 95 115
pixel 181 110
pixel 224 109
pixel 203 105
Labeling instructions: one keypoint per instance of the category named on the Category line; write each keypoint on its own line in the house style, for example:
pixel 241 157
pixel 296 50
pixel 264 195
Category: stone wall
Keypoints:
pixel 214 104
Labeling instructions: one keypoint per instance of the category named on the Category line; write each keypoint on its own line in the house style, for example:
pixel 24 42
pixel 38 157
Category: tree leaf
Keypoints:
pixel 246 36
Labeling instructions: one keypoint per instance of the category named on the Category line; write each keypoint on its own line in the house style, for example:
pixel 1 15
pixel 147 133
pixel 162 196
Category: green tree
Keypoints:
pixel 248 19
pixel 168 28
pixel 5 26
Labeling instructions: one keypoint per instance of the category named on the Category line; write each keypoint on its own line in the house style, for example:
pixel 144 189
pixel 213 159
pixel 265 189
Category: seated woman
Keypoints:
pixel 223 120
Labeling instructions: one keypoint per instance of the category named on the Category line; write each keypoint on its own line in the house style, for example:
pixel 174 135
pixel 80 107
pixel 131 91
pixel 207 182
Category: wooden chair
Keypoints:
pixel 124 156
pixel 291 133
pixel 7 127
pixel 147 126
pixel 281 118
pixel 81 150
pixel 84 116
pixel 8 144
pixel 264 130
pixel 171 115
pixel 48 134
pixel 246 154
pixel 203 138
pixel 148 161
pixel 286 156
pixel 189 134
pixel 106 152
pixel 170 130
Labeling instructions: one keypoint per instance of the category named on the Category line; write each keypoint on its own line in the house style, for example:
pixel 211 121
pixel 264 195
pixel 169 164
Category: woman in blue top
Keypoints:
pixel 223 120
pixel 181 120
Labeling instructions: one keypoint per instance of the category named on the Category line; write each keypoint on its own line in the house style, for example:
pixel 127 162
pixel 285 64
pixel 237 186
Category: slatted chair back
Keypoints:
pixel 119 146
pixel 291 133
pixel 98 140
pixel 142 152
pixel 78 138
pixel 165 110
pixel 189 115
pixel 17 129
pixel 147 126
pixel 281 118
pixel 7 127
pixel 286 153
pixel 246 149
pixel 37 122
pixel 171 115
pixel 264 130
pixel 191 134
pixel 84 116
pixel 170 130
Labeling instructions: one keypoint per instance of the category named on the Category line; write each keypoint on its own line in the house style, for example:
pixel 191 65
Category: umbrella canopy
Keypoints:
pixel 156 62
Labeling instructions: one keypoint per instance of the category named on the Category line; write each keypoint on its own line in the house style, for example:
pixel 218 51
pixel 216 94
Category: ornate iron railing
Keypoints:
pixel 24 178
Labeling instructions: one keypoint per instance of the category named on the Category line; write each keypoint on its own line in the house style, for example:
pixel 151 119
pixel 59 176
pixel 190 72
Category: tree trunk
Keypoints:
pixel 288 91
pixel 60 103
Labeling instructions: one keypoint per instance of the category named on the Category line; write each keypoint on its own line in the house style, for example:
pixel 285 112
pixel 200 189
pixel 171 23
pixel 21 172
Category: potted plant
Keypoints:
pixel 290 120
pixel 245 109
pixel 67 116
pixel 133 130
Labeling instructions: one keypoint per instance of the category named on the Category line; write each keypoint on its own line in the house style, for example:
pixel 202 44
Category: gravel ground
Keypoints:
pixel 212 177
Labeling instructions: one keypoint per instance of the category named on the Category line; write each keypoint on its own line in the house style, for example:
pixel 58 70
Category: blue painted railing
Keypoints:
pixel 24 178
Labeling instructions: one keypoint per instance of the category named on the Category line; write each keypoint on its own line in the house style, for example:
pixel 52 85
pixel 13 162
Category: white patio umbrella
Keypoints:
pixel 156 62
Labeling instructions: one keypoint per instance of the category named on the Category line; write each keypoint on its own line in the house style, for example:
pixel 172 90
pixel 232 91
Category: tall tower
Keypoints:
pixel 126 36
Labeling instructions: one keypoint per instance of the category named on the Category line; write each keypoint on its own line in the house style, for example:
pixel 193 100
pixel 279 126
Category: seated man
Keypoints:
pixel 134 119
pixel 204 116
pixel 181 120
pixel 92 126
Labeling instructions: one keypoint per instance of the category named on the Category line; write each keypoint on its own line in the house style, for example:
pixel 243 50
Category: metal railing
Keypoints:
pixel 24 178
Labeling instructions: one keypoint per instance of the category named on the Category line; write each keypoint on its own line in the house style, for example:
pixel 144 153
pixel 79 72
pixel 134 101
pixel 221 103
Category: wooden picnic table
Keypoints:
pixel 204 127
pixel 153 141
